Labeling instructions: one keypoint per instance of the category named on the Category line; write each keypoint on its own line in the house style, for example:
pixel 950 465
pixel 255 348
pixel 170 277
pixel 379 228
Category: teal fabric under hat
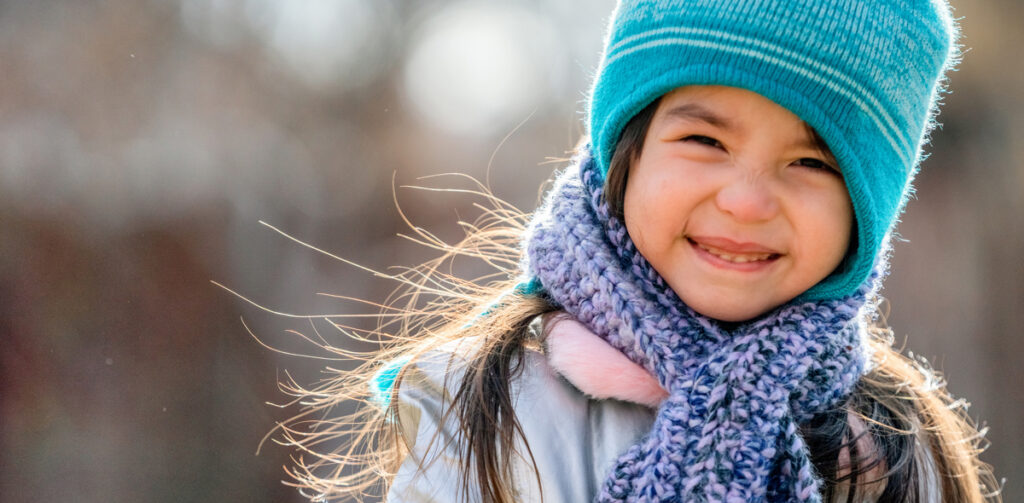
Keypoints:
pixel 865 74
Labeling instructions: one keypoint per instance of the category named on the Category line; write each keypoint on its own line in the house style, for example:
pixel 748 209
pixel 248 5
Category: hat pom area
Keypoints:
pixel 867 75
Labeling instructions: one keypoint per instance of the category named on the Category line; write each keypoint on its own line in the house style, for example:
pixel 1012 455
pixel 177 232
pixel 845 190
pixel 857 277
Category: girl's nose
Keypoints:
pixel 748 199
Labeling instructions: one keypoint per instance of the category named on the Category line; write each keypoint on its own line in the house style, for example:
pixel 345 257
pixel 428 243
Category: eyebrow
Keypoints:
pixel 693 111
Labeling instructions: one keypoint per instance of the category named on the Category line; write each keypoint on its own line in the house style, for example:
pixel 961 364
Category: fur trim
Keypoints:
pixel 594 366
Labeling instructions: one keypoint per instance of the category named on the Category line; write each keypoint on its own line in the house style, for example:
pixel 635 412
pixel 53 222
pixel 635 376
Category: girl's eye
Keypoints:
pixel 705 140
pixel 817 165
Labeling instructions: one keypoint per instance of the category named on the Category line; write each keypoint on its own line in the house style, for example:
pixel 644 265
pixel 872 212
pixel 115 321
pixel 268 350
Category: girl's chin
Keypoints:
pixel 731 308
pixel 731 316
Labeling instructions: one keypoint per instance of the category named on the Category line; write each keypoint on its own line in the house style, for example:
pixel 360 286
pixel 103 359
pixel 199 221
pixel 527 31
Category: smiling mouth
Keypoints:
pixel 734 257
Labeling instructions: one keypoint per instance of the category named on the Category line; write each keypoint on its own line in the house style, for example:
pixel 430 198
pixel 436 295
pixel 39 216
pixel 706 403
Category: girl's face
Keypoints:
pixel 734 204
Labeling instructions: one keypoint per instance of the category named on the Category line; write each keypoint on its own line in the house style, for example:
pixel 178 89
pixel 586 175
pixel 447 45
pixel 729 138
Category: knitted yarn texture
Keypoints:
pixel 729 430
pixel 865 74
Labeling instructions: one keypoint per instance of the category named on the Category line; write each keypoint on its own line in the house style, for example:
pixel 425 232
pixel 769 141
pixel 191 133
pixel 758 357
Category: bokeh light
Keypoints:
pixel 476 68
pixel 325 42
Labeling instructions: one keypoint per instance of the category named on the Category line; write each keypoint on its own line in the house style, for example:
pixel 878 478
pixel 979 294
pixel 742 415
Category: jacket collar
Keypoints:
pixel 595 367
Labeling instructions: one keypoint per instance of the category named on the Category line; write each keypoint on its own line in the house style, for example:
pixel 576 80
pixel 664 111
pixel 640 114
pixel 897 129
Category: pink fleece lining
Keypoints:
pixel 595 367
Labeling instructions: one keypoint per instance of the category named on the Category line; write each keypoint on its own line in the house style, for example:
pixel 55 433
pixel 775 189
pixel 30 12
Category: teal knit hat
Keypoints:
pixel 865 74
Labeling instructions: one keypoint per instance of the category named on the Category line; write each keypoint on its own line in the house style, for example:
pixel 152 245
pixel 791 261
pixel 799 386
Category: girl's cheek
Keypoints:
pixel 644 207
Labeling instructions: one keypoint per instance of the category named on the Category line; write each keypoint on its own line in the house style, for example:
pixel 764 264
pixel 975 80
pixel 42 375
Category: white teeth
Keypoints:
pixel 739 259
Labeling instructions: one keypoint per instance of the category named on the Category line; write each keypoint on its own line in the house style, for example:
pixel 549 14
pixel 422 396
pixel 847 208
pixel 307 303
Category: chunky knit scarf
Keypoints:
pixel 728 431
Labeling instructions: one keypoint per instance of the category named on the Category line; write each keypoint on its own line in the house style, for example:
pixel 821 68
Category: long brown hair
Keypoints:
pixel 909 418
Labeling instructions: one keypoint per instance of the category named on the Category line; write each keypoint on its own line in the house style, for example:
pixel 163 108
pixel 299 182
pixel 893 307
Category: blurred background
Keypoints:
pixel 142 141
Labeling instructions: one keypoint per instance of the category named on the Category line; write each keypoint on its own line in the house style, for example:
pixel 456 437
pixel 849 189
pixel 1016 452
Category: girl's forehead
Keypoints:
pixel 725 97
pixel 724 107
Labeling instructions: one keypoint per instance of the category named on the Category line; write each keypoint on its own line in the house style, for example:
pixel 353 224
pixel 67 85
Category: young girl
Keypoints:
pixel 693 310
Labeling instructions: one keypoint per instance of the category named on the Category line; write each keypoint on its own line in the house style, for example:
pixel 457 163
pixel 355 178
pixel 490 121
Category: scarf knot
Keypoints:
pixel 729 430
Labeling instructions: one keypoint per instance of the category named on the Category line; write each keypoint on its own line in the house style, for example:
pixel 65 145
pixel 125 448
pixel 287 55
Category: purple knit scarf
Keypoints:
pixel 729 429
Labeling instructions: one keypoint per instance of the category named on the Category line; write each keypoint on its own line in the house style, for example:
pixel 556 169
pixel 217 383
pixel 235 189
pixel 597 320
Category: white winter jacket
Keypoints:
pixel 579 401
